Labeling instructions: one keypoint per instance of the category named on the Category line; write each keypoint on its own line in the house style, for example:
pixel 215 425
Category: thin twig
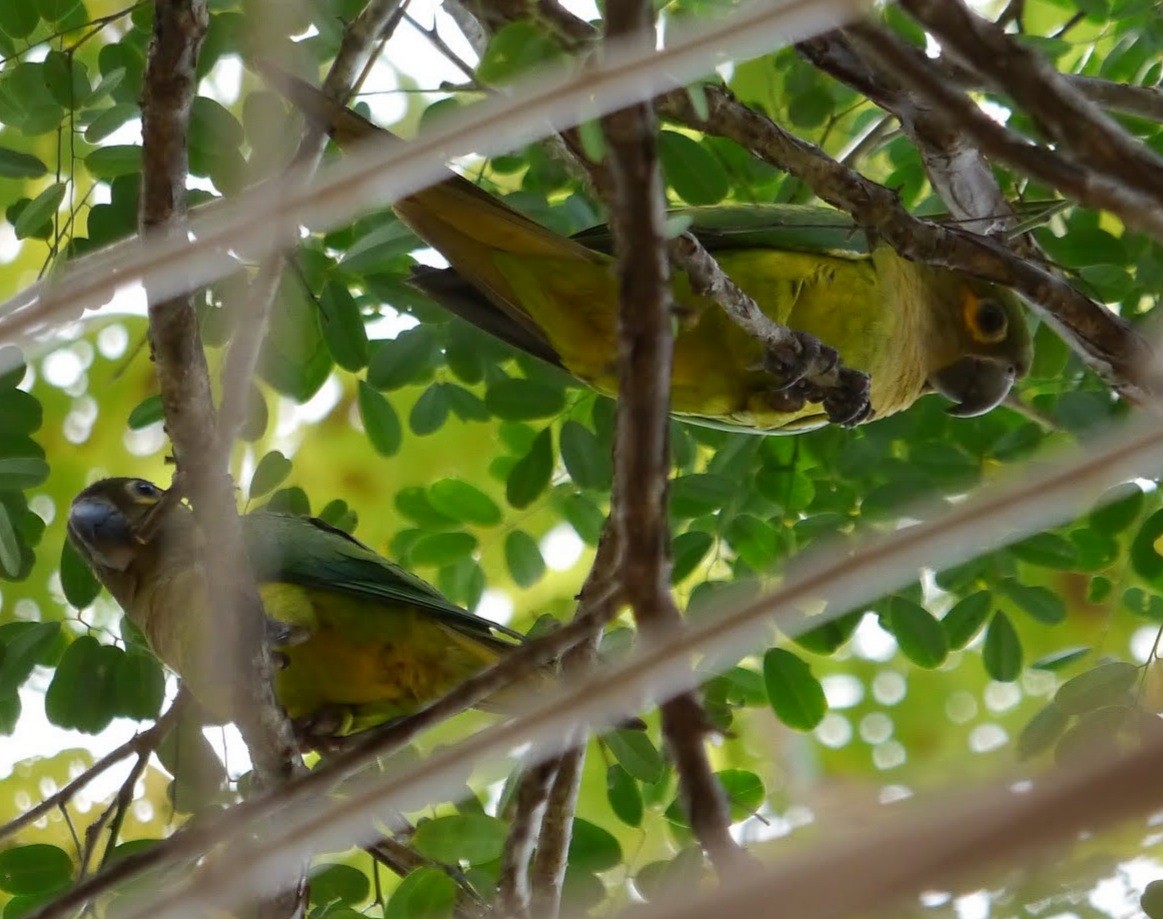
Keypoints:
pixel 146 740
pixel 533 785
pixel 598 600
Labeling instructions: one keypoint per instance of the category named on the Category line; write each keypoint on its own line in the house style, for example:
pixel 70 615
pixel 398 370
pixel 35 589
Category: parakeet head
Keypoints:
pixel 980 345
pixel 110 522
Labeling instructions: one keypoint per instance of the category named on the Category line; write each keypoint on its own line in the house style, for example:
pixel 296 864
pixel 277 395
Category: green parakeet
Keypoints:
pixel 914 329
pixel 358 641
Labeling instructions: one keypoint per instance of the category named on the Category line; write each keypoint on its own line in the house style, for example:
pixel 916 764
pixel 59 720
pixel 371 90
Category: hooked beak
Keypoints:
pixel 101 533
pixel 975 384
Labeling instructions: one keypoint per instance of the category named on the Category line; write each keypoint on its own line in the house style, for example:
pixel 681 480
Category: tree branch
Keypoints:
pixel 1095 188
pixel 143 742
pixel 233 650
pixel 641 460
pixel 1057 107
pixel 533 786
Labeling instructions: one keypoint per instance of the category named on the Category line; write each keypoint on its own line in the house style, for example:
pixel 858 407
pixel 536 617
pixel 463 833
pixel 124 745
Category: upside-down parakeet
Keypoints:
pixel 357 640
pixel 911 327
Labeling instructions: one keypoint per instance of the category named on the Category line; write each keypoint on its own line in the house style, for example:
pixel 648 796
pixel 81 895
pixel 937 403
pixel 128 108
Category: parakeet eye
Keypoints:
pixel 986 320
pixel 142 490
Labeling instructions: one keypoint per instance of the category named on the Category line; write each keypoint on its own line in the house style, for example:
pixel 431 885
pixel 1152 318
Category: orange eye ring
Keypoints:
pixel 986 321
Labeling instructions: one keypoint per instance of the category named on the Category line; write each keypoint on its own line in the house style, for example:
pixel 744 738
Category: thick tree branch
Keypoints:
pixel 1059 109
pixel 239 656
pixel 1095 188
pixel 958 171
pixel 641 460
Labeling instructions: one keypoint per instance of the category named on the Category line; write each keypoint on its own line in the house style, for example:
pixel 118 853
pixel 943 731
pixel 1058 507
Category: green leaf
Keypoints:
pixel 515 399
pixel 472 838
pixel 430 411
pixel 966 617
pixel 403 359
pixel 795 695
pixel 34 869
pixel 113 161
pixel 18 20
pixel 426 893
pixel 25 644
pixel 82 692
pixel 412 501
pixel 139 685
pixel 1041 603
pixel 272 470
pixel 342 326
pixel 531 474
pixel 636 754
pixel 745 791
pixel 331 884
pixel 1060 659
pixel 514 49
pixel 1105 685
pixel 691 170
pixel 523 558
pixel 57 11
pixel 624 796
pixel 198 772
pixel 1145 556
pixel 1003 649
pixel 1048 550
pixel 463 502
pixel 1118 508
pixel 442 548
pixel 110 120
pixel 1042 731
pixel 1151 901
pixel 586 518
pixel 920 636
pixel 380 421
pixel 586 460
pixel 592 848
pixel 17 165
pixel 40 211
pixel 827 637
pixel 18 473
pixel 688 551
pixel 699 494
pixel 148 411
pixel 78 582
pixel 10 555
pixel 9 713
pixel 755 541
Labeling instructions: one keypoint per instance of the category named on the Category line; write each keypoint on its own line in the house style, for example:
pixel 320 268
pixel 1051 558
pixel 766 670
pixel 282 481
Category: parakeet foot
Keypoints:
pixel 815 374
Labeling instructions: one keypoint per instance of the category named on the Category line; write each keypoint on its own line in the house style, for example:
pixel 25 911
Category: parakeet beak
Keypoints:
pixel 975 384
pixel 101 533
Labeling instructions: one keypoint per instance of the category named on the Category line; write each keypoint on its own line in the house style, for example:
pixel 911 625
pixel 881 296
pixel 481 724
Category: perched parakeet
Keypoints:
pixel 914 329
pixel 357 640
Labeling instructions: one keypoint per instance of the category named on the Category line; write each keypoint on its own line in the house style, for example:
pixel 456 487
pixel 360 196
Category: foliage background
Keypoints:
pixel 489 473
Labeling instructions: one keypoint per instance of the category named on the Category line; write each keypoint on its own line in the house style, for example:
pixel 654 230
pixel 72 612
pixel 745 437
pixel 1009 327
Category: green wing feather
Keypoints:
pixel 310 553
pixel 780 227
